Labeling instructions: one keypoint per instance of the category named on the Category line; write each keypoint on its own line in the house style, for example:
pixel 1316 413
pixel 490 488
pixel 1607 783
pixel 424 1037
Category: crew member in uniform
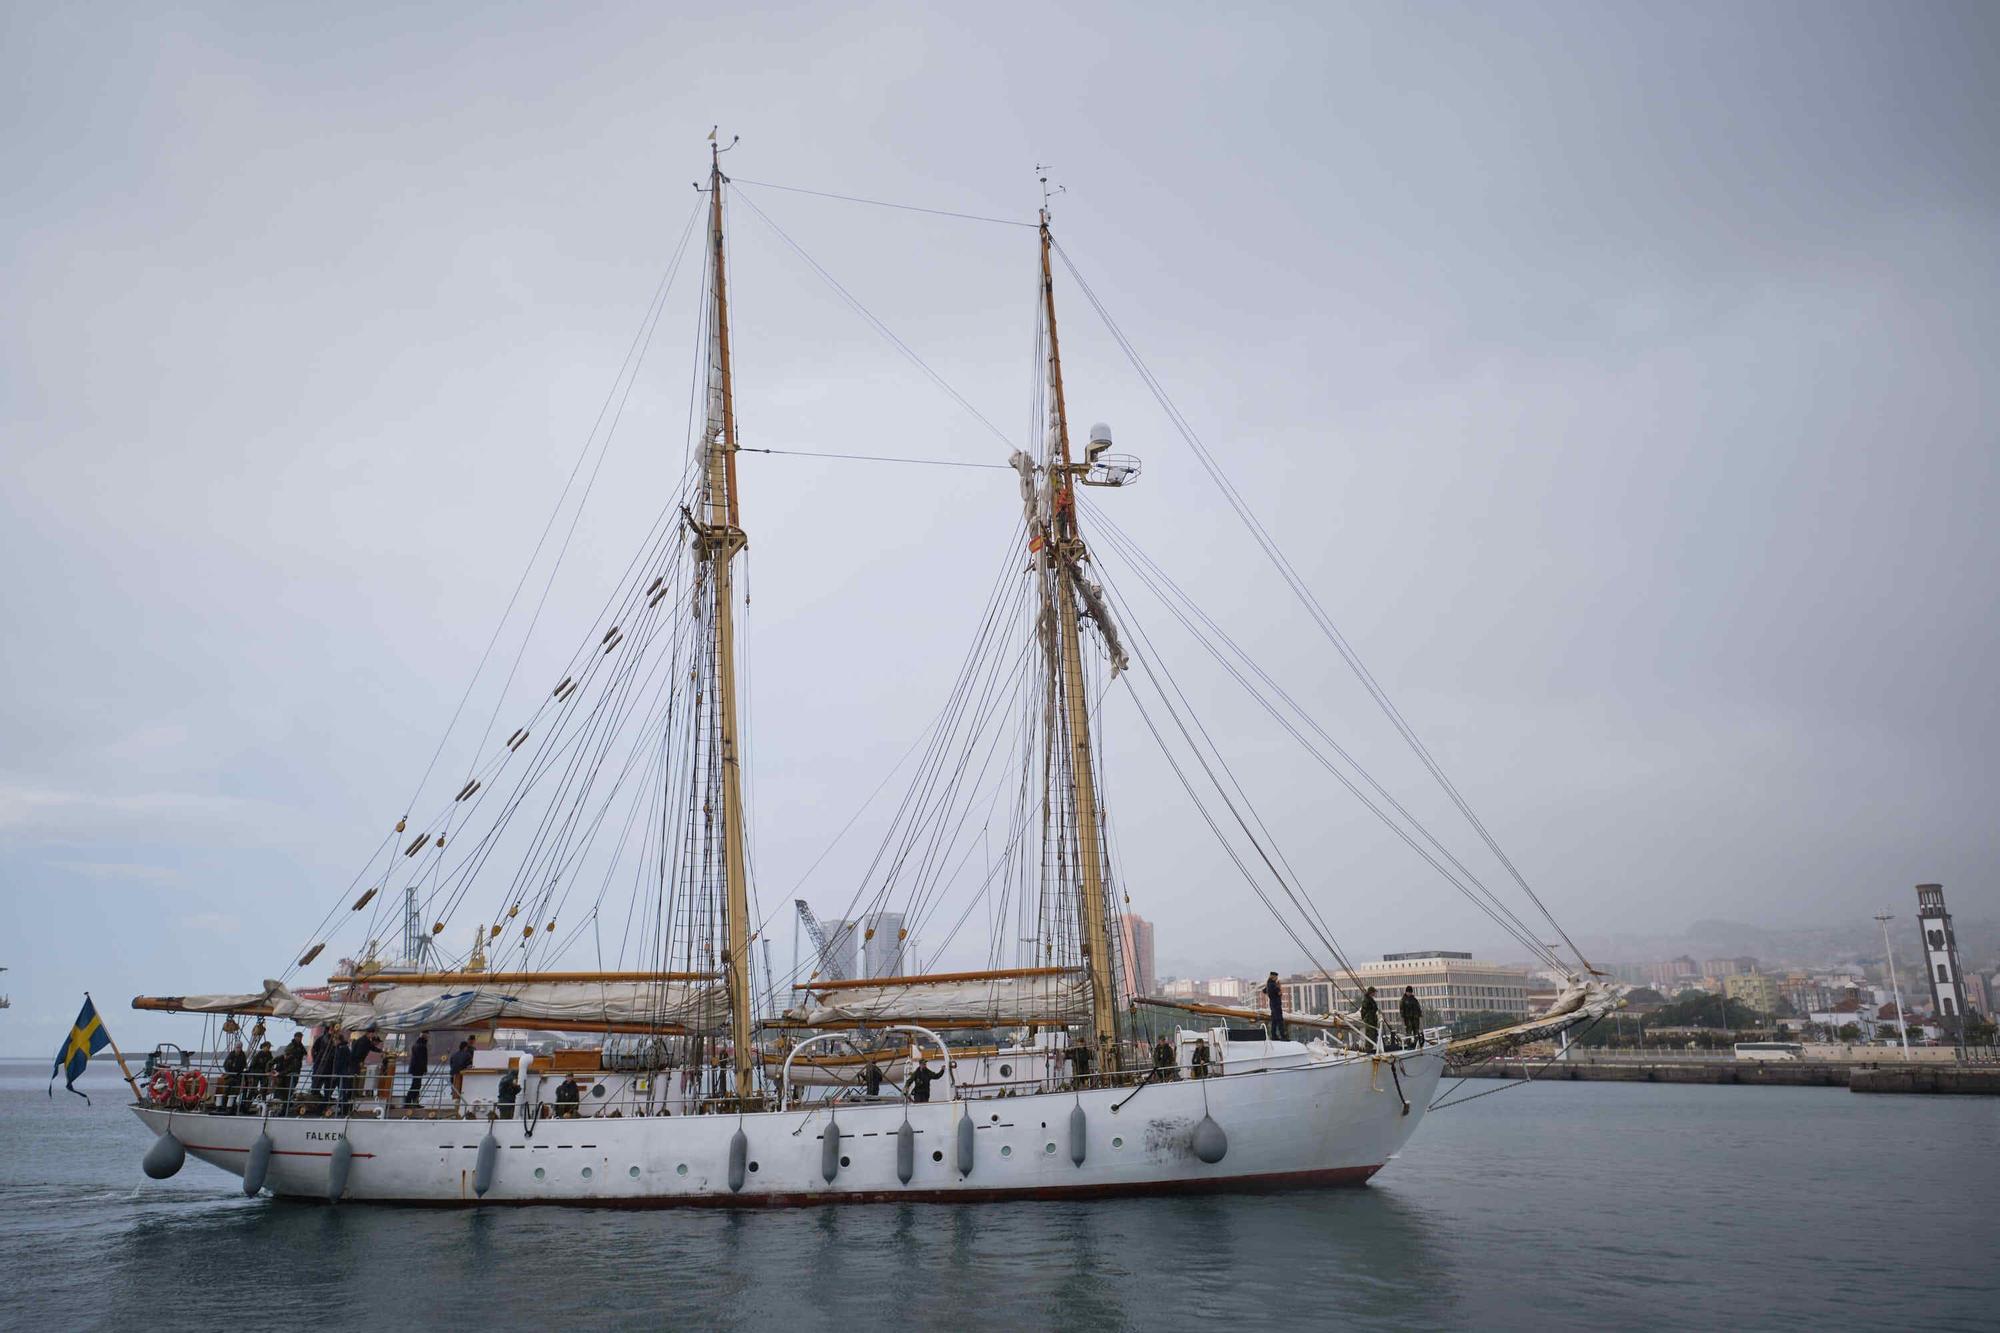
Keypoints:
pixel 920 1081
pixel 1413 1016
pixel 1275 993
pixel 420 1064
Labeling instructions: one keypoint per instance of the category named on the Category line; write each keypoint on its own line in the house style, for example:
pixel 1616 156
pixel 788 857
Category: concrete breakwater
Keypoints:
pixel 1925 1078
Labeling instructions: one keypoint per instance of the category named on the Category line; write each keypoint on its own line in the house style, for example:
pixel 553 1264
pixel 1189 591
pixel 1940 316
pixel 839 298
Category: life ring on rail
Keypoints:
pixel 193 1087
pixel 161 1089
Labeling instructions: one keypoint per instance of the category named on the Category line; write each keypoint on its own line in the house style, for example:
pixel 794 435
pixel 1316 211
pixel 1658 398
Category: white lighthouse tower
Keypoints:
pixel 1941 956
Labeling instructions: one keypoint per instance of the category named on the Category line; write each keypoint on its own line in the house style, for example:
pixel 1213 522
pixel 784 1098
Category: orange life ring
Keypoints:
pixel 193 1087
pixel 161 1089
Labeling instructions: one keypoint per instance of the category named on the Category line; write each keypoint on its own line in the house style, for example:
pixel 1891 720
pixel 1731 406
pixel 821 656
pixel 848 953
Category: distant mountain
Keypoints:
pixel 1850 941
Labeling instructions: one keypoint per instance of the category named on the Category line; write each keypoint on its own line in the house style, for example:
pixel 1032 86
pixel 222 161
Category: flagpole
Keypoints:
pixel 106 1029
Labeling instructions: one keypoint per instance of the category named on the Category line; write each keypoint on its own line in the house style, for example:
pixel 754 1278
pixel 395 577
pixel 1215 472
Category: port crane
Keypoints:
pixel 828 965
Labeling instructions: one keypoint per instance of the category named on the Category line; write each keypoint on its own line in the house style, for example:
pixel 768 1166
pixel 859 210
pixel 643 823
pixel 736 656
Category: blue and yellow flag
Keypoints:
pixel 86 1039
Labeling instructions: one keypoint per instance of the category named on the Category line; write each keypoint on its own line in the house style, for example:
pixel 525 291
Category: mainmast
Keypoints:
pixel 1066 553
pixel 720 537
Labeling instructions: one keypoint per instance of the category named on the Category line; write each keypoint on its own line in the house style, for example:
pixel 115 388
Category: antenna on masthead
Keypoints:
pixel 1042 170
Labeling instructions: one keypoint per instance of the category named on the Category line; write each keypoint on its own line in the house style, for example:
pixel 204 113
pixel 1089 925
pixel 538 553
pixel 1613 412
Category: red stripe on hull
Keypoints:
pixel 1265 1184
pixel 275 1152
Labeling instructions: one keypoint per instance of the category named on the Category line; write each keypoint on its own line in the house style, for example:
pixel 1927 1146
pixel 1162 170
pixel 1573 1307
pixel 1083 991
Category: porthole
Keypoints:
pixel 597 1089
pixel 1048 1147
pixel 633 1172
pixel 1006 1150
pixel 681 1170
pixel 540 1174
pixel 1006 1071
pixel 937 1157
pixel 996 1117
pixel 845 1162
pixel 753 1166
pixel 586 1170
pixel 1117 1142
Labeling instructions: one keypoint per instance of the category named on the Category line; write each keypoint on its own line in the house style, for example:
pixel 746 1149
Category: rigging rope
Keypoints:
pixel 883 203
pixel 1306 598
pixel 873 458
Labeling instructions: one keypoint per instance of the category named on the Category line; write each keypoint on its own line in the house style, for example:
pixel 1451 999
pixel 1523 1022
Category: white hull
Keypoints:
pixel 1324 1123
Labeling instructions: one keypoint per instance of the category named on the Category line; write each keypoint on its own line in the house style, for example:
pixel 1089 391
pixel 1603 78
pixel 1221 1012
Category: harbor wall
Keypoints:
pixel 1925 1077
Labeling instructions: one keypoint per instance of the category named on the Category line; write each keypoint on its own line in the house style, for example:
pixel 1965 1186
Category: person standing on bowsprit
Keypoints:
pixel 1275 993
pixel 1413 1016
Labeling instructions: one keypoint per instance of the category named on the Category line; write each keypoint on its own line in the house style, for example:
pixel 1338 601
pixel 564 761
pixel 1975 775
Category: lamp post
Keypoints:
pixel 1902 1027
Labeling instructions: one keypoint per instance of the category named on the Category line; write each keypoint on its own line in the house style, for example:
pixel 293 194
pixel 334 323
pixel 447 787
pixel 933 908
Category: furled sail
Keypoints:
pixel 1580 1001
pixel 1052 995
pixel 420 1007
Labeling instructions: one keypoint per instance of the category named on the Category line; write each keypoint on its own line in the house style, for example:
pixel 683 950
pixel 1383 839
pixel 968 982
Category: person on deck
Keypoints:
pixel 461 1060
pixel 290 1061
pixel 1275 993
pixel 920 1081
pixel 568 1097
pixel 325 1056
pixel 1198 1063
pixel 358 1052
pixel 510 1089
pixel 871 1079
pixel 1413 1016
pixel 342 1081
pixel 231 1087
pixel 258 1084
pixel 1079 1061
pixel 1165 1068
pixel 420 1064
pixel 1371 1017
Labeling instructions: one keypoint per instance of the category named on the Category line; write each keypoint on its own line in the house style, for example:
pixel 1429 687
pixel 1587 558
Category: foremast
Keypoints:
pixel 1065 553
pixel 719 536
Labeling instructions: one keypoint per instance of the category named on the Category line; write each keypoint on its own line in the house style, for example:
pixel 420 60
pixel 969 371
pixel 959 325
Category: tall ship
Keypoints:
pixel 688 1068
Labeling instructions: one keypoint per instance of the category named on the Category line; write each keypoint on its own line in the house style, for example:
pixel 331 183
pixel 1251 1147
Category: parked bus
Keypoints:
pixel 1770 1050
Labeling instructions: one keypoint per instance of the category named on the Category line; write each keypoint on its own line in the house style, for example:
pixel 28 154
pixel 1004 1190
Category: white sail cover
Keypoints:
pixel 413 1008
pixel 996 1000
pixel 1580 1000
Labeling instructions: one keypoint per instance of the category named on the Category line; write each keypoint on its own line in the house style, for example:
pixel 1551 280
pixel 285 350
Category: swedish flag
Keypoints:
pixel 86 1039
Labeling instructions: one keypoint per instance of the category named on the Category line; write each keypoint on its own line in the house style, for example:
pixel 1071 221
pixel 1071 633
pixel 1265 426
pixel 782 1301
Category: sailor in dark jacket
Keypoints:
pixel 1413 1016
pixel 1371 1016
pixel 510 1089
pixel 290 1061
pixel 325 1056
pixel 420 1064
pixel 461 1060
pixel 231 1086
pixel 920 1081
pixel 259 1083
pixel 343 1073
pixel 1275 994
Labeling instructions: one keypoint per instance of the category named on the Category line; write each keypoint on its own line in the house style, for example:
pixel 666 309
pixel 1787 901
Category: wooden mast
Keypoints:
pixel 1066 550
pixel 721 539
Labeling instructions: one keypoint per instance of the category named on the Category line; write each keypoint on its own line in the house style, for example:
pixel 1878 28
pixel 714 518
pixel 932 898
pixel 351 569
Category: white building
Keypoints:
pixel 1449 985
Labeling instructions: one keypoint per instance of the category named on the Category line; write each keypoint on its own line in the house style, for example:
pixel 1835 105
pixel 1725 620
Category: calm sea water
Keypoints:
pixel 1545 1206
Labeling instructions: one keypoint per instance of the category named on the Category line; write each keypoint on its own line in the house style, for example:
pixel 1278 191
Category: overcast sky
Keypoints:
pixel 1621 377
